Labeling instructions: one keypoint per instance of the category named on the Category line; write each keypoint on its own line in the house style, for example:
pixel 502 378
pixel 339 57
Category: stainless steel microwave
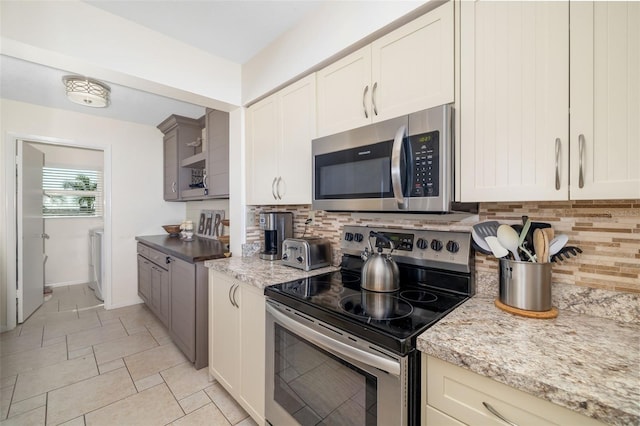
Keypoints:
pixel 404 164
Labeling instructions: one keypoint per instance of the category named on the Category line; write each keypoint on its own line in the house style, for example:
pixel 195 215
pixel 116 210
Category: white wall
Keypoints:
pixel 334 27
pixel 134 152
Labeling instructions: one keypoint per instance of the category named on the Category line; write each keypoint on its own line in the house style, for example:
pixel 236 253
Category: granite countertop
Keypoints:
pixel 585 363
pixel 262 273
pixel 198 250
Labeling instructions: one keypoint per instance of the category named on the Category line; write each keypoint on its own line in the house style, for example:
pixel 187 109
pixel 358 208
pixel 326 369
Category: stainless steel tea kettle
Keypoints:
pixel 380 272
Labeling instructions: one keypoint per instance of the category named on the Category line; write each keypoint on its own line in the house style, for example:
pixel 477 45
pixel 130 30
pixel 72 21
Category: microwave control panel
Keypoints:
pixel 425 165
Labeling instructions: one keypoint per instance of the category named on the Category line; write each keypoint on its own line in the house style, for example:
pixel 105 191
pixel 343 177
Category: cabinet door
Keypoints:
pixel 513 101
pixel 217 124
pixel 297 115
pixel 144 279
pixel 252 343
pixel 263 130
pixel 182 324
pixel 344 93
pixel 605 100
pixel 160 293
pixel 224 328
pixel 171 166
pixel 413 65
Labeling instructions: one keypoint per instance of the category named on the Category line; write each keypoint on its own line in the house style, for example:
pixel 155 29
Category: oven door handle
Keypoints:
pixel 329 344
pixel 396 178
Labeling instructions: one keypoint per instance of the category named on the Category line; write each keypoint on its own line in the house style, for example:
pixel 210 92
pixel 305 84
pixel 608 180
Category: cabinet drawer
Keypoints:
pixel 156 256
pixel 461 393
pixel 143 250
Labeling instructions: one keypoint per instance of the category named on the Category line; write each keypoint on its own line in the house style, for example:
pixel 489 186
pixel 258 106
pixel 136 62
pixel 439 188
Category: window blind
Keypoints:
pixel 71 192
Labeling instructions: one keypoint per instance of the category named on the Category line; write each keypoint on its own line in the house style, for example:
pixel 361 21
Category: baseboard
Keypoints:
pixel 125 304
pixel 53 285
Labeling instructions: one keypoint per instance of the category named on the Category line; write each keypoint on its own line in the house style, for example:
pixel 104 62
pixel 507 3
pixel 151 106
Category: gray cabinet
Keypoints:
pixel 153 282
pixel 178 132
pixel 196 156
pixel 176 291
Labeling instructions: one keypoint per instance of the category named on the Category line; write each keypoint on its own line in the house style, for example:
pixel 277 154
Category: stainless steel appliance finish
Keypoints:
pixel 335 348
pixel 306 253
pixel 277 227
pixel 525 285
pixel 334 368
pixel 380 272
pixel 400 165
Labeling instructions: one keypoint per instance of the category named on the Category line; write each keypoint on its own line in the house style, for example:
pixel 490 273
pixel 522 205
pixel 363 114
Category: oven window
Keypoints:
pixel 315 386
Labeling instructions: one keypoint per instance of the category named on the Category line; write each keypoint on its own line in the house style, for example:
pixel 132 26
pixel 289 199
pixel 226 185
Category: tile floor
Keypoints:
pixel 75 363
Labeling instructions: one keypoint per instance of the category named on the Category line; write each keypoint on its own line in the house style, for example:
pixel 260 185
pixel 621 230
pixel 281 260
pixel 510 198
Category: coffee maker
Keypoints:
pixel 277 226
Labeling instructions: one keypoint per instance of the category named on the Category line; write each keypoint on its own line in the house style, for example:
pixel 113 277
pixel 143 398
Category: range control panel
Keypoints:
pixel 449 250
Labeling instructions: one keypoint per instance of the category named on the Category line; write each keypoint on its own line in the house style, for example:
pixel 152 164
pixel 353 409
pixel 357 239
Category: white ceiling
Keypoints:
pixel 232 29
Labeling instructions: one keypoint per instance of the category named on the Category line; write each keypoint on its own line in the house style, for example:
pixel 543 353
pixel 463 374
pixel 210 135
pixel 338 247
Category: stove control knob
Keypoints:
pixel 285 256
pixel 453 246
pixel 436 245
pixel 348 236
pixel 358 238
pixel 422 244
pixel 299 259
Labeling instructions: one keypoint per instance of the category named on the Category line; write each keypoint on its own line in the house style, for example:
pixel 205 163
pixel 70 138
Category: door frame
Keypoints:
pixel 11 219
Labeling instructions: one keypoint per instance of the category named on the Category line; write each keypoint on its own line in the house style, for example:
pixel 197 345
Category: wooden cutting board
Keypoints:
pixel 551 313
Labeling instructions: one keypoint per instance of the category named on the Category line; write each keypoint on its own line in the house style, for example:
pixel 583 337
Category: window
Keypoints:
pixel 71 192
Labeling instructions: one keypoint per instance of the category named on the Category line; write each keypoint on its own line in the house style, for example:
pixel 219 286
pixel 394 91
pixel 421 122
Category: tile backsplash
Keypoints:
pixel 608 232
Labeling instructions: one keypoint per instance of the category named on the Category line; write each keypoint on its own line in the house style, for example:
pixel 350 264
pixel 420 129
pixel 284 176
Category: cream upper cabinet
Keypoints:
pixel 279 132
pixel 514 105
pixel 407 70
pixel 605 100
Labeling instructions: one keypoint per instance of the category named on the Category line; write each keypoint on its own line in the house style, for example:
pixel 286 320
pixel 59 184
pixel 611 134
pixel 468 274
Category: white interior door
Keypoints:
pixel 31 257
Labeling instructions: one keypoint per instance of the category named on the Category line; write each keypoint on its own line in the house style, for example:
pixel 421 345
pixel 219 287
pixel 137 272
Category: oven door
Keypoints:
pixel 317 373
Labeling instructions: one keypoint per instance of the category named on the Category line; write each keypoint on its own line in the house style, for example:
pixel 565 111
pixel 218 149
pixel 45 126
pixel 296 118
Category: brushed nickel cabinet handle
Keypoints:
pixel 173 186
pixel 230 299
pixel 558 163
pixel 373 98
pixel 364 103
pixel 581 157
pixel 497 414
pixel 233 295
pixel 278 188
pixel 273 188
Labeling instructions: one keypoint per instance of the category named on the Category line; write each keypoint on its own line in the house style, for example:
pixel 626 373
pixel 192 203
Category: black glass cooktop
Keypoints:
pixel 392 320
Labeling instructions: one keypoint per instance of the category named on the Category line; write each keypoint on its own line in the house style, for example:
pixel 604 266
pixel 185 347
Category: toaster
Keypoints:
pixel 306 253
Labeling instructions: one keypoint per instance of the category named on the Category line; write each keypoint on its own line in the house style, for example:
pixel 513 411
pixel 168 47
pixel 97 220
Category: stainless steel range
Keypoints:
pixel 339 354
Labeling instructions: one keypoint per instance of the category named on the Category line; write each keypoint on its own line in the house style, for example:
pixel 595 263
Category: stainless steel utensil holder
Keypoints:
pixel 525 285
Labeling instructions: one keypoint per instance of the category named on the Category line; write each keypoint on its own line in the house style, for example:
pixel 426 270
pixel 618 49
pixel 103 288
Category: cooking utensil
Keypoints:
pixel 567 252
pixel 508 238
pixel 479 243
pixel 528 240
pixel 540 245
pixel 380 272
pixel 557 243
pixel 496 248
pixel 486 229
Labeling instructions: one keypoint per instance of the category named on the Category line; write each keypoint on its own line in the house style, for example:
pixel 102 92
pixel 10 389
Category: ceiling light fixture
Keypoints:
pixel 86 91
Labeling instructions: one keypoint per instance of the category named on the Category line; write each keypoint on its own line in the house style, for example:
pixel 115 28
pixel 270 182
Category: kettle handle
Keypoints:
pixel 382 237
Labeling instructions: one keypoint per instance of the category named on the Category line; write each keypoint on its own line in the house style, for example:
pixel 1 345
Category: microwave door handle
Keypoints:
pixel 396 178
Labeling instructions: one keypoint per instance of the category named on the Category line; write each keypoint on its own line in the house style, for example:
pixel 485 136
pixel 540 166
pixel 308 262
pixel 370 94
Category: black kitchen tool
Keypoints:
pixel 565 253
pixel 528 241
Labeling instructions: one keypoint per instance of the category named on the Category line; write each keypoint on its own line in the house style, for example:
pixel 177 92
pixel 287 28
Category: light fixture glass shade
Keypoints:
pixel 86 91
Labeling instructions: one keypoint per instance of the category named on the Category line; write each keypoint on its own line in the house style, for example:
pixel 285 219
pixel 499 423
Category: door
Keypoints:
pixel 514 88
pixel 182 316
pixel 224 331
pixel 605 100
pixel 31 256
pixel 404 83
pixel 263 121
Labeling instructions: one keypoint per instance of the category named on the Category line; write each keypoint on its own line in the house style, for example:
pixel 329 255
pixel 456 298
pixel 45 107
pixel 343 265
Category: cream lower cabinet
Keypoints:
pixel 279 132
pixel 453 395
pixel 407 70
pixel 549 100
pixel 237 341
